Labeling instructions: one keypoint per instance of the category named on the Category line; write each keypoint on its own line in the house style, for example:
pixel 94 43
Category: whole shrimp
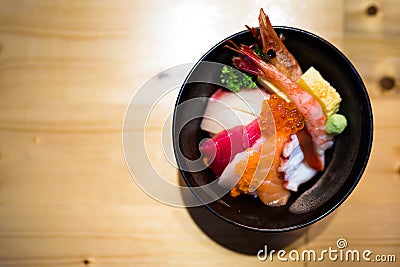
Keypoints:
pixel 307 105
pixel 274 49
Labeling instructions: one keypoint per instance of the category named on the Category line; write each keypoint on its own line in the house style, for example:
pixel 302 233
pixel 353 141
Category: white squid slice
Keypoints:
pixel 293 165
pixel 226 110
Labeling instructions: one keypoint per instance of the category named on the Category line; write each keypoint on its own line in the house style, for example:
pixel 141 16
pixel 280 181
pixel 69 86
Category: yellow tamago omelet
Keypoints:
pixel 317 86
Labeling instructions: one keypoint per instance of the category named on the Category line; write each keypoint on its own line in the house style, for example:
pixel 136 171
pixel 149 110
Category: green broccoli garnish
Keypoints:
pixel 235 80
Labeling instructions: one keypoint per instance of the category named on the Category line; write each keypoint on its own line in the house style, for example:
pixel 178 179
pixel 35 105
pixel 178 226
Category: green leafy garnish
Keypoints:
pixel 235 80
pixel 259 53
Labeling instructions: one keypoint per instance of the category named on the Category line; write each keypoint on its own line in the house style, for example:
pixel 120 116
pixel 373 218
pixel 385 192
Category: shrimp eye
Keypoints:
pixel 271 53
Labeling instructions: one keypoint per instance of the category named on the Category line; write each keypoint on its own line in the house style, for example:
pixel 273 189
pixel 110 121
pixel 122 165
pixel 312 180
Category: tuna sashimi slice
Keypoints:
pixel 222 148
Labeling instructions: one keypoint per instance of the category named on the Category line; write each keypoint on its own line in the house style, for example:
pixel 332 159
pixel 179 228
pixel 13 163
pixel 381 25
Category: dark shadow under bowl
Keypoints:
pixel 345 161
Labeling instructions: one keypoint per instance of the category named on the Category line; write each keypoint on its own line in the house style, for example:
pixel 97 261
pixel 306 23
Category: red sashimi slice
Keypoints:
pixel 226 144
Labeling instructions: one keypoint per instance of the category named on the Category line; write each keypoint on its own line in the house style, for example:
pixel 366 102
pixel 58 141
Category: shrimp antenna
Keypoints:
pixel 234 46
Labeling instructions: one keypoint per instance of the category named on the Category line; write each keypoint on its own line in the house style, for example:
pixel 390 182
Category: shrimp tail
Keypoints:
pixel 313 159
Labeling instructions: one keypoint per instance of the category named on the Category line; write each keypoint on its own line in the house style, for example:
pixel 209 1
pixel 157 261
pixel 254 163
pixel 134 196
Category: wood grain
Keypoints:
pixel 68 70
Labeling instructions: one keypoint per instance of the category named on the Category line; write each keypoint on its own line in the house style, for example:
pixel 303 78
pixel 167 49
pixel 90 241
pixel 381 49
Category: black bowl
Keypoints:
pixel 345 161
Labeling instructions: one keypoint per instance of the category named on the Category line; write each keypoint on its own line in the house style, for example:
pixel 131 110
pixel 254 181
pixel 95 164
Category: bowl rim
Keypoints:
pixel 365 157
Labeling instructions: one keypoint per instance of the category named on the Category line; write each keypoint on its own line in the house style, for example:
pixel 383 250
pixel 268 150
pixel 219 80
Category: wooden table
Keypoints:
pixel 68 70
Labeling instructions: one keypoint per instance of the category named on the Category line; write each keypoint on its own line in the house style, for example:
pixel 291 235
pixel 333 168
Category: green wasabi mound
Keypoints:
pixel 336 124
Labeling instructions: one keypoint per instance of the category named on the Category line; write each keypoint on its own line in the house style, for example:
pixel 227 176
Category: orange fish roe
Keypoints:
pixel 288 119
pixel 246 169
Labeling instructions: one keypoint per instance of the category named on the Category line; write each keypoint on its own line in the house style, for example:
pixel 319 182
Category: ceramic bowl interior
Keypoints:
pixel 345 161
